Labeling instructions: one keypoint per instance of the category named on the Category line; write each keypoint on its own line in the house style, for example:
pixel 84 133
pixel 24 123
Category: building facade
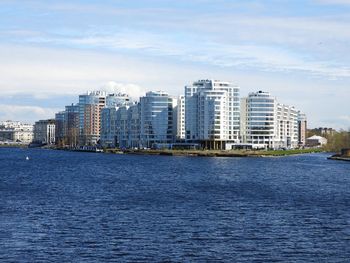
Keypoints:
pixel 44 132
pixel 212 113
pixel 60 128
pixel 116 108
pixel 302 128
pixel 157 119
pixel 259 120
pixel 181 129
pixel 287 127
pixel 265 123
pixel 72 125
pixel 90 106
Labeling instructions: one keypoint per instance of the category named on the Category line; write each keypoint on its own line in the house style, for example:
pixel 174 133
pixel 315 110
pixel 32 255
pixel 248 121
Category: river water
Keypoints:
pixel 83 207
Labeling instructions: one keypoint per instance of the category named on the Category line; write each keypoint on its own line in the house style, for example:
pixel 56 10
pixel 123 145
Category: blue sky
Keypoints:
pixel 53 50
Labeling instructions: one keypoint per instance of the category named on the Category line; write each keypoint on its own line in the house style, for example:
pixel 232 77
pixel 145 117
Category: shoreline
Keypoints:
pixel 339 158
pixel 214 153
pixel 194 153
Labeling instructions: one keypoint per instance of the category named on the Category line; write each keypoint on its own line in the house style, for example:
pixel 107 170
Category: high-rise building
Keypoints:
pixel 134 125
pixel 90 107
pixel 72 125
pixel 44 132
pixel 287 127
pixel 302 128
pixel 265 123
pixel 212 113
pixel 181 129
pixel 259 119
pixel 110 119
pixel 157 124
pixel 60 128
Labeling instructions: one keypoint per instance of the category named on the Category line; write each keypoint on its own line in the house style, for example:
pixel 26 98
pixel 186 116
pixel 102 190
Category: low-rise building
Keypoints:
pixel 44 132
pixel 16 132
pixel 316 140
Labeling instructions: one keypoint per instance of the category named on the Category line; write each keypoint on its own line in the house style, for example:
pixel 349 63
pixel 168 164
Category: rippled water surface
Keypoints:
pixel 82 207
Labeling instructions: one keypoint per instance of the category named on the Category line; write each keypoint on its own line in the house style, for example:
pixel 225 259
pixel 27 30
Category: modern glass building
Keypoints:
pixel 157 120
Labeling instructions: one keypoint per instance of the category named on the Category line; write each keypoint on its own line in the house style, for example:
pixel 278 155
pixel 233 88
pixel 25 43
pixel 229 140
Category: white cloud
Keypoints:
pixel 26 113
pixel 134 91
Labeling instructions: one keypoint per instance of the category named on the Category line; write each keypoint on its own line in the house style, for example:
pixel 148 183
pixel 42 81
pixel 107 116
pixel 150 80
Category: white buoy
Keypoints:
pixel 27 158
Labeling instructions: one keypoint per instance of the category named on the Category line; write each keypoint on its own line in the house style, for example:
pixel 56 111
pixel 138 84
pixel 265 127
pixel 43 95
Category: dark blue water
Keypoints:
pixel 82 207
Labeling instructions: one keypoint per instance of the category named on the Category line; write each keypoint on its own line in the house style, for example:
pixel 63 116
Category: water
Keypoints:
pixel 84 207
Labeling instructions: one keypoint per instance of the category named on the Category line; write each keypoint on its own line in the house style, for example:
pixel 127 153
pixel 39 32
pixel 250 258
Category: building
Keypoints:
pixel 120 126
pixel 302 128
pixel 114 121
pixel 16 132
pixel 44 132
pixel 181 129
pixel 157 118
pixel 316 140
pixel 324 131
pixel 259 120
pixel 134 125
pixel 212 113
pixel 72 125
pixel 60 128
pixel 287 127
pixel 90 107
pixel 265 123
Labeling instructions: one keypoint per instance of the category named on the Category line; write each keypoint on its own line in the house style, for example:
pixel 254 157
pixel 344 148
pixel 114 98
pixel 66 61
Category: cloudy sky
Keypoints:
pixel 299 50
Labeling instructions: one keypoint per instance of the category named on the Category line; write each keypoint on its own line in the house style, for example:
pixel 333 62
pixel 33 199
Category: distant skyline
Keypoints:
pixel 51 51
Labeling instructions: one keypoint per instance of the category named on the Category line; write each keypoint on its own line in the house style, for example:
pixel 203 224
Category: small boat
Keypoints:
pixel 27 158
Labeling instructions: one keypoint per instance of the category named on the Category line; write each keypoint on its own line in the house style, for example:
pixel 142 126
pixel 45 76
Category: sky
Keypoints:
pixel 52 51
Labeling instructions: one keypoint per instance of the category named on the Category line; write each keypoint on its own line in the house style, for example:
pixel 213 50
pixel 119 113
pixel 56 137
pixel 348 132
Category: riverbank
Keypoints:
pixel 338 158
pixel 215 153
pixel 344 155
pixel 13 146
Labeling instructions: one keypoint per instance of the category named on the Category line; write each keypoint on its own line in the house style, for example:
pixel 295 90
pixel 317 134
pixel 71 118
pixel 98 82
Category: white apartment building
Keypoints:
pixel 14 131
pixel 212 113
pixel 114 121
pixel 267 124
pixel 90 107
pixel 287 127
pixel 157 118
pixel 181 129
pixel 259 120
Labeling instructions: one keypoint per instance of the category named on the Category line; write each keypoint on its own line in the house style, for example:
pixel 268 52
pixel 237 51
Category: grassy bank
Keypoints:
pixel 216 153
